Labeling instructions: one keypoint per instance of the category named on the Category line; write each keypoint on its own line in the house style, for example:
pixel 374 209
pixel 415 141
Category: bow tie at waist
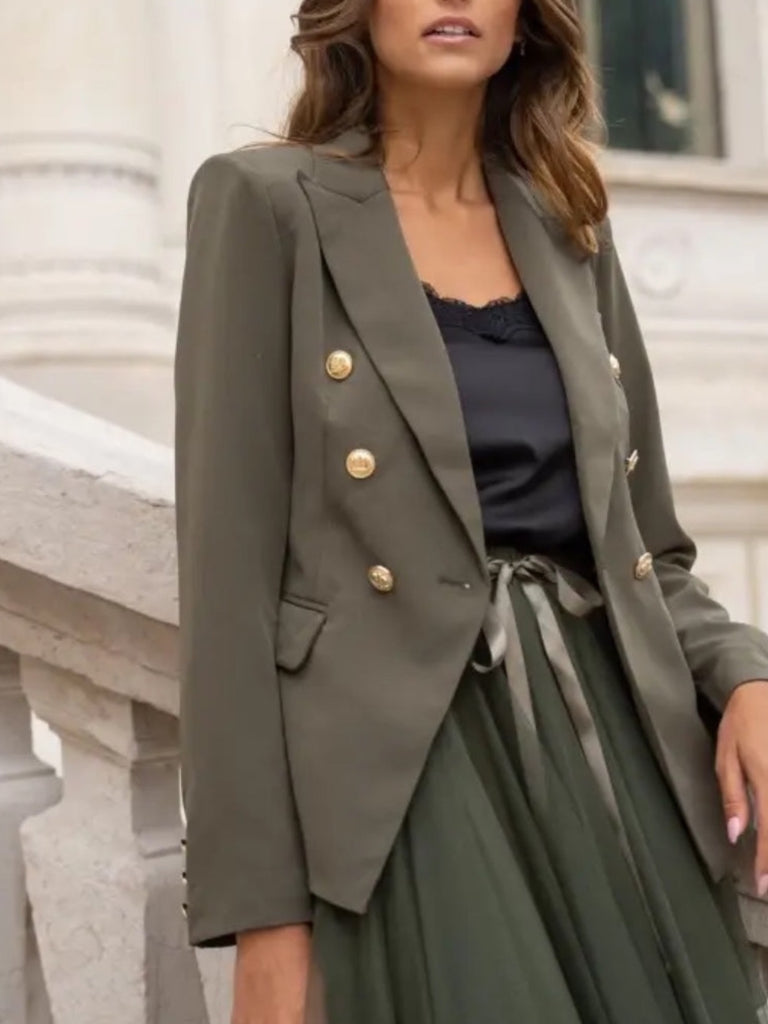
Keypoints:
pixel 539 578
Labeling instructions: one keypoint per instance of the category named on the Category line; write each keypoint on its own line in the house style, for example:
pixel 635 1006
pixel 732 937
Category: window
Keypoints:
pixel 656 66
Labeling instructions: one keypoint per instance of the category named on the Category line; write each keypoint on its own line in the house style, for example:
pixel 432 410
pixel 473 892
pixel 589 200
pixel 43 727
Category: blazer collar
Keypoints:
pixel 368 259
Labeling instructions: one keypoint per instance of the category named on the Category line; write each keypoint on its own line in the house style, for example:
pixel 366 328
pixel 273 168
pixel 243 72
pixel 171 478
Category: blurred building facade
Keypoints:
pixel 106 109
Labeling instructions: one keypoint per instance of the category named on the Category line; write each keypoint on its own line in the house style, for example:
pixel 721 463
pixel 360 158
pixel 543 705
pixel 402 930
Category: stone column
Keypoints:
pixel 27 786
pixel 186 32
pixel 104 865
pixel 85 315
pixel 225 79
pixel 742 51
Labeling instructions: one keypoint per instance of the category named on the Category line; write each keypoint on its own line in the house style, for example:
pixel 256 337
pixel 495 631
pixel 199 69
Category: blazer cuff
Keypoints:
pixel 215 926
pixel 733 670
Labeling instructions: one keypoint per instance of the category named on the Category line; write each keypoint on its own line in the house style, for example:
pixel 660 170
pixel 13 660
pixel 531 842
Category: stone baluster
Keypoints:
pixel 26 787
pixel 104 865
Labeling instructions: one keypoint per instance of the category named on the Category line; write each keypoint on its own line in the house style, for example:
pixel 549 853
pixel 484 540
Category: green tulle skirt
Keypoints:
pixel 492 912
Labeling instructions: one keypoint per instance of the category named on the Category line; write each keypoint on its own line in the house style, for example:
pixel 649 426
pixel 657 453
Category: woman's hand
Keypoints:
pixel 742 758
pixel 271 975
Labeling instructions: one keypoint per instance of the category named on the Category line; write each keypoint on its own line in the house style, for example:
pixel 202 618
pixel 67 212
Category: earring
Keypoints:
pixel 522 47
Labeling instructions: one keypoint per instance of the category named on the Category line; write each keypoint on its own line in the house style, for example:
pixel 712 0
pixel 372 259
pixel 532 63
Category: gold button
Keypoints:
pixel 360 463
pixel 381 578
pixel 630 463
pixel 339 365
pixel 615 367
pixel 644 566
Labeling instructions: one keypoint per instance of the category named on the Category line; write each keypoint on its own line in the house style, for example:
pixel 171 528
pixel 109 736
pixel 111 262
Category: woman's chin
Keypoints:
pixel 449 77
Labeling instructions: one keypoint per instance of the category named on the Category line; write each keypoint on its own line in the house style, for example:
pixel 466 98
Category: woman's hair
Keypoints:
pixel 540 111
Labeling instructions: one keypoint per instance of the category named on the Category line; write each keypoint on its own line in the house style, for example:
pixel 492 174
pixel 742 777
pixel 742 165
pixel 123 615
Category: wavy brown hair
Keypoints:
pixel 540 113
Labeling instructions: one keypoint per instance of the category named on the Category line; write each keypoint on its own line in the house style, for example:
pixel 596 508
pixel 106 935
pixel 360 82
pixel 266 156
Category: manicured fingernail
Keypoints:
pixel 734 829
pixel 762 886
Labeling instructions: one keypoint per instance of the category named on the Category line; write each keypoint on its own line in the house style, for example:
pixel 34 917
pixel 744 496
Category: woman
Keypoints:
pixel 441 645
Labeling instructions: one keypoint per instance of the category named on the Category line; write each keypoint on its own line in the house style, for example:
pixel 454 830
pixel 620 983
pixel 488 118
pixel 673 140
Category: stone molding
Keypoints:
pixel 53 168
pixel 81 258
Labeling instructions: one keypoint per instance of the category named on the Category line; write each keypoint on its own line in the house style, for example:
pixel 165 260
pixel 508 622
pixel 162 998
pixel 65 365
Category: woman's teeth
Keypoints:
pixel 450 30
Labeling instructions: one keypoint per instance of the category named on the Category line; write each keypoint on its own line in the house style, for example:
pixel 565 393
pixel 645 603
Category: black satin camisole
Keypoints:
pixel 517 424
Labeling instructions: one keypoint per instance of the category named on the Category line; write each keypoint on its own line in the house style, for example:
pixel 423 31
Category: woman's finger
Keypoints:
pixel 733 789
pixel 761 861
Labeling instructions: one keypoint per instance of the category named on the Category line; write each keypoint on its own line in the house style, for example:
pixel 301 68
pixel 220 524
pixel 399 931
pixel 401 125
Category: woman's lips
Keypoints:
pixel 452 30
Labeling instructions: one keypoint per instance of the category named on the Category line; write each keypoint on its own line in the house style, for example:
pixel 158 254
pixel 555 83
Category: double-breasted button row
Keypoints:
pixel 339 364
pixel 360 463
pixel 644 564
pixel 630 463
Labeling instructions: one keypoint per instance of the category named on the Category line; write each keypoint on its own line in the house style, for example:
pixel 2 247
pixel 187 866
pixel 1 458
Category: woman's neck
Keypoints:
pixel 431 144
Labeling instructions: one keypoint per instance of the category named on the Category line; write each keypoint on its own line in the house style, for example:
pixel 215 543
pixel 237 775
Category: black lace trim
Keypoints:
pixel 503 300
pixel 510 318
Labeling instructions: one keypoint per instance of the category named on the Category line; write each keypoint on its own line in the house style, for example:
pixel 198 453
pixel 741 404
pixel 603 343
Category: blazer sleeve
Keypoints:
pixel 244 858
pixel 721 653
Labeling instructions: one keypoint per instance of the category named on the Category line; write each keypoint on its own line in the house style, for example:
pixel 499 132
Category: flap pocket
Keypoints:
pixel 298 626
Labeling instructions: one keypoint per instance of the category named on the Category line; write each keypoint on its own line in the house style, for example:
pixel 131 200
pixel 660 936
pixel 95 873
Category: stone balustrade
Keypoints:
pixel 91 928
pixel 88 643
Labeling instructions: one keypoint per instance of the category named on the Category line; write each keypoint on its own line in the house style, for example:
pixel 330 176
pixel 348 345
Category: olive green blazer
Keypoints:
pixel 310 697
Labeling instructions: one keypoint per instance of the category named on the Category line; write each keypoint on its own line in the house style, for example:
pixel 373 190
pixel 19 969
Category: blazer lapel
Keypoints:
pixel 370 264
pixel 562 290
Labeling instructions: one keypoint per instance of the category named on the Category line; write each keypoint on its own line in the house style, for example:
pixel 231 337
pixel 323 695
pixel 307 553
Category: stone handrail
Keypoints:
pixel 88 643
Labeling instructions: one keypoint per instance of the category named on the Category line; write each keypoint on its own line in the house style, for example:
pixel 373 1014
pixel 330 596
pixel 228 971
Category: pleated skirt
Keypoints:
pixel 497 908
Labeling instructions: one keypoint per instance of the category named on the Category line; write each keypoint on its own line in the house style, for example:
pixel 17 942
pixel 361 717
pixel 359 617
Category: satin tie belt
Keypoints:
pixel 538 574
